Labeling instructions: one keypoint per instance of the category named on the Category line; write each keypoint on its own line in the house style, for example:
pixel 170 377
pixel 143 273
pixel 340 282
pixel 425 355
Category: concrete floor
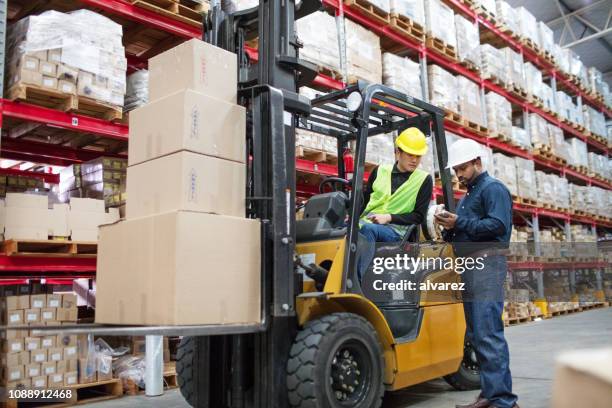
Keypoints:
pixel 533 348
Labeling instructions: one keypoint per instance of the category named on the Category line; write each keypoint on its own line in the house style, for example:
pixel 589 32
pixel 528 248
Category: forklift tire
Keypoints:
pixel 191 370
pixel 468 376
pixel 336 361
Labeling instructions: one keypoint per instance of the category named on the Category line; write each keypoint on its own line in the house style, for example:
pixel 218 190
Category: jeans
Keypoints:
pixel 483 306
pixel 373 233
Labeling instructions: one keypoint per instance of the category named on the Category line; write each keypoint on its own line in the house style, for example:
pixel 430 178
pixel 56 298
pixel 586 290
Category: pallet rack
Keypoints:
pixel 15 114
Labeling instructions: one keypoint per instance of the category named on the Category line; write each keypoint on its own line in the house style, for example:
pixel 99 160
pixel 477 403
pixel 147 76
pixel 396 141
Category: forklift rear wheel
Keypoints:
pixel 336 361
pixel 468 375
pixel 190 370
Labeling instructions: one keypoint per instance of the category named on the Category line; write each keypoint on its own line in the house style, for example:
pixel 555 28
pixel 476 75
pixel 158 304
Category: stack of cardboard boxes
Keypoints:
pixel 19 184
pixel 185 254
pixel 32 358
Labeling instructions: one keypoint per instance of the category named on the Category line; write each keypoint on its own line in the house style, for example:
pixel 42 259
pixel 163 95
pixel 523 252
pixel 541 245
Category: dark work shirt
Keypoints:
pixel 397 179
pixel 484 214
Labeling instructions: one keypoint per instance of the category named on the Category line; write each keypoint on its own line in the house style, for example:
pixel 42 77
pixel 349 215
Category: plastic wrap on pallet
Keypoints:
pixel 427 161
pixel 499 114
pixel 469 102
pixel 380 149
pixel 596 80
pixel 318 34
pixel 493 63
pixel 69 56
pixel 576 114
pixel 402 74
pixel 546 189
pixel 601 200
pixel 561 189
pixel 488 5
pixel 562 58
pixel 576 67
pixel 313 140
pixel 468 40
pixel 594 121
pixel 564 105
pixel 548 97
pixel 538 128
pixel 504 169
pixel 528 25
pixel 508 16
pixel 442 88
pixel 533 80
pixel 413 9
pixel 546 36
pixel 577 196
pixel 137 93
pixel 606 94
pixel 363 55
pixel 514 68
pixel 440 21
pixel 384 5
pixel 525 177
pixel 578 150
pixel 559 147
pixel 521 137
pixel 598 164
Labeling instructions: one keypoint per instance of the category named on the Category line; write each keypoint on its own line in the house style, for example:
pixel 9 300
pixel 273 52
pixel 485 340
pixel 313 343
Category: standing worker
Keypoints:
pixel 481 228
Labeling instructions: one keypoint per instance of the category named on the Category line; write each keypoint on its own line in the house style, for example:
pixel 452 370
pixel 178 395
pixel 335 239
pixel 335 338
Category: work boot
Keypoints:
pixel 481 402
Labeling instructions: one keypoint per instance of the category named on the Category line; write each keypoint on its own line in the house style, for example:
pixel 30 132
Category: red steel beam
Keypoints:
pixel 34 266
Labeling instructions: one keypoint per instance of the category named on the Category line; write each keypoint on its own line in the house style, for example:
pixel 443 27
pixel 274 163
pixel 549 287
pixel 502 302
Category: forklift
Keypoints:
pixel 326 338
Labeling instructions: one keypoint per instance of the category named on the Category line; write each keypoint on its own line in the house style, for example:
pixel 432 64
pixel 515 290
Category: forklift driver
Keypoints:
pixel 398 195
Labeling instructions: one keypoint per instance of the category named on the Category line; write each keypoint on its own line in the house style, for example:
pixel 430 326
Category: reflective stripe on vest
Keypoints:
pixel 402 201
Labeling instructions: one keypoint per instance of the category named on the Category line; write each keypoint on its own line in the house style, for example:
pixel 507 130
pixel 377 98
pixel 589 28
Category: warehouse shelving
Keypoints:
pixel 61 155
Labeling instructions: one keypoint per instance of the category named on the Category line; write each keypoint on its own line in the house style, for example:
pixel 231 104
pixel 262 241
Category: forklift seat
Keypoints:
pixel 324 217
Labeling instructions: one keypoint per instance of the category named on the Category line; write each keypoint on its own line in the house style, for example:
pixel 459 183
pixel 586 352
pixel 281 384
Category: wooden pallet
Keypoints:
pixel 81 394
pixel 536 101
pixel 481 11
pixel 173 9
pixel 50 248
pixel 527 201
pixel 518 319
pixel 499 136
pixel 54 99
pixel 330 72
pixel 470 65
pixel 406 27
pixel 453 117
pixel 476 128
pixel 441 47
pixel 367 8
pixel 516 91
pixel 528 42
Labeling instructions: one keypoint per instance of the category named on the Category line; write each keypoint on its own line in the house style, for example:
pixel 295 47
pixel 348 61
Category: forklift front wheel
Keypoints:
pixel 468 375
pixel 191 372
pixel 336 361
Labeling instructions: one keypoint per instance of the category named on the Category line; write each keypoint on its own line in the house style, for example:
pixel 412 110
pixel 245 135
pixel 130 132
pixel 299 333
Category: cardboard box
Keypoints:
pixel 32 316
pixel 13 317
pixel 67 73
pixel 12 346
pixel 70 352
pixel 87 371
pixel 26 76
pixel 84 344
pixel 48 368
pixel 38 301
pixel 55 354
pixel 60 367
pixel 54 301
pixel 24 384
pixel 71 364
pixel 39 382
pixel 67 87
pixel 10 303
pixel 23 200
pixel 87 205
pixel 58 220
pixel 14 334
pixel 15 359
pixel 138 283
pixel 69 300
pixel 32 370
pixel 48 69
pixel 32 343
pixel 47 342
pixel 194 65
pixel 47 315
pixel 186 181
pixel 67 314
pixel 187 121
pixel 583 378
pixel 70 378
pixel 55 381
pixel 48 82
pixel 38 356
pixel 13 373
pixel 54 55
pixel 26 223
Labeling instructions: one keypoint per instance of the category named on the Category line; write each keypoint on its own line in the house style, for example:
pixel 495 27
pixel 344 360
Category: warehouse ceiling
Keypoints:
pixel 583 25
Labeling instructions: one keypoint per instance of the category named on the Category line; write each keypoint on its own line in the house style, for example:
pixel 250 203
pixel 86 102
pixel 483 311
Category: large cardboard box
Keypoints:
pixel 194 65
pixel 186 181
pixel 190 121
pixel 179 268
pixel 583 379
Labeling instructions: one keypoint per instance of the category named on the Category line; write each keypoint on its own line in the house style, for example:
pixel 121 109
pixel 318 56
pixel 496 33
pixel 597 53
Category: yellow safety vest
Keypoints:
pixel 402 201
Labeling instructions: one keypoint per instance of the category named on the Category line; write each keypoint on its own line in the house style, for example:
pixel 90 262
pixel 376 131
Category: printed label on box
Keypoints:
pixel 47 315
pixel 193 186
pixel 39 358
pixel 32 317
pixel 55 356
pixel 195 120
pixel 34 372
pixel 15 375
pixel 16 347
pixel 39 383
pixel 14 318
pixel 38 304
pixel 70 351
pixel 54 303
pixel 47 342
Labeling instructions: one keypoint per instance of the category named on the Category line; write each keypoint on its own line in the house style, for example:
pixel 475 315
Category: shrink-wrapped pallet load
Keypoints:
pixel 470 106
pixel 442 88
pixel 468 40
pixel 402 74
pixel 578 150
pixel 413 9
pixel 504 169
pixel 526 178
pixel 440 22
pixel 318 34
pixel 514 74
pixel 363 55
pixel 508 16
pixel 538 127
pixel 499 114
pixel 493 64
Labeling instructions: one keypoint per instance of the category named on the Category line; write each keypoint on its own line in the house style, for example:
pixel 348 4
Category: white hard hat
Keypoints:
pixel 463 151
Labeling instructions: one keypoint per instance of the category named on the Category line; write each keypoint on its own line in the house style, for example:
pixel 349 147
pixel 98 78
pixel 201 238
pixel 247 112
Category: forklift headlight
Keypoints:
pixel 353 101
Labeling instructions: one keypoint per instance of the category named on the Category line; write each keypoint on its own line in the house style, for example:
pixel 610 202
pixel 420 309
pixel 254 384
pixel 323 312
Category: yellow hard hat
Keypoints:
pixel 412 141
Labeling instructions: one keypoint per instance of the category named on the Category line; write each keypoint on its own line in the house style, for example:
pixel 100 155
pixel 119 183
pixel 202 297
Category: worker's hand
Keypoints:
pixel 380 218
pixel 447 221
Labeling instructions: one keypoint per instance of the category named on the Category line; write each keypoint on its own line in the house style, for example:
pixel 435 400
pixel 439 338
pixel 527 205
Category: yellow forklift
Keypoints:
pixel 327 339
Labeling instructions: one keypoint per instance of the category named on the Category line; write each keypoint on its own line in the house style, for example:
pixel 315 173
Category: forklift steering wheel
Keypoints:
pixel 334 181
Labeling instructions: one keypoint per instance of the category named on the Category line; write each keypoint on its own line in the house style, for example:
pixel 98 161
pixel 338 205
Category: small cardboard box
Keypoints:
pixel 38 301
pixel 48 69
pixel 48 82
pixel 186 181
pixel 67 314
pixel 11 303
pixel 70 378
pixel 24 384
pixel 32 316
pixel 48 342
pixel 32 370
pixel 67 87
pixel 47 315
pixel 194 65
pixel 14 373
pixel 61 367
pixel 55 380
pixel 38 356
pixel 87 371
pixel 54 301
pixel 12 345
pixel 15 359
pixel 70 352
pixel 48 367
pixel 32 343
pixel 13 317
pixel 39 382
pixel 55 354
pixel 25 76
pixel 72 364
pixel 54 55
pixel 14 334
pixel 69 300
